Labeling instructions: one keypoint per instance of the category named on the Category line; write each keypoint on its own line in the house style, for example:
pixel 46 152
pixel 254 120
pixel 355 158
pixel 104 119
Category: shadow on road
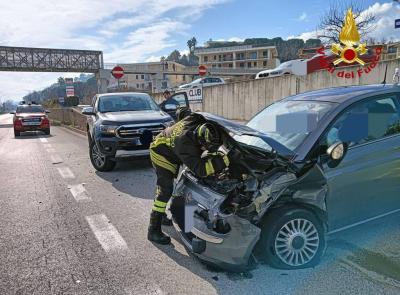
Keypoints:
pixel 135 177
pixel 32 134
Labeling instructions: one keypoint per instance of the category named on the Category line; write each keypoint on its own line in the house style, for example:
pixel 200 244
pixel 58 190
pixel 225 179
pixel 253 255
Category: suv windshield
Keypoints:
pixel 30 109
pixel 126 102
pixel 287 122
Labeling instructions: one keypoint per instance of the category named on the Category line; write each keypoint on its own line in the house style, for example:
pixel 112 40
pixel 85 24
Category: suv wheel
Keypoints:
pixel 16 133
pixel 292 238
pixel 47 131
pixel 100 161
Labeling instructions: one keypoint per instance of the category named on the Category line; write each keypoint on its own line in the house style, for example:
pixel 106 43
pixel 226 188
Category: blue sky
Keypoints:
pixel 144 30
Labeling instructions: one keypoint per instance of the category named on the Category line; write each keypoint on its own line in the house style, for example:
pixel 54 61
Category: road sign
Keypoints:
pixel 117 72
pixel 69 87
pixel 397 24
pixel 202 70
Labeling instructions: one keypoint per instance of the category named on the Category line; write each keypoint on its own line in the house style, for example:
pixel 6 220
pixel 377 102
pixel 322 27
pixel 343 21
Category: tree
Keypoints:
pixel 191 43
pixel 332 21
pixel 174 56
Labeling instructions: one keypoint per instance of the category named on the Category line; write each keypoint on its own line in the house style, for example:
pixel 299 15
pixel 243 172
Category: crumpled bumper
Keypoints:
pixel 229 251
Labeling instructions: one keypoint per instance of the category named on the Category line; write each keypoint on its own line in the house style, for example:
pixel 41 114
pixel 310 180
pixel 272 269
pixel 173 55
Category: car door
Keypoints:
pixel 366 183
pixel 181 98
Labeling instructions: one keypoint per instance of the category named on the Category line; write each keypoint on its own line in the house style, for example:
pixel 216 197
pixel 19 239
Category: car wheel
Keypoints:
pixel 292 238
pixel 100 161
pixel 47 131
pixel 16 133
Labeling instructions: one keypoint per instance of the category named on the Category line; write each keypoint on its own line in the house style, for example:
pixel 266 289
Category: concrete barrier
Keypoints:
pixel 68 116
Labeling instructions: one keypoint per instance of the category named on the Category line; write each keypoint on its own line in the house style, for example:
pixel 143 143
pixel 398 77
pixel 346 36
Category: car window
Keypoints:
pixel 30 109
pixel 126 102
pixel 366 121
pixel 180 98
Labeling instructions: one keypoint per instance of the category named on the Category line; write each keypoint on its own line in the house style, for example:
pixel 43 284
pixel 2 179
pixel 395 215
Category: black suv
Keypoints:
pixel 121 125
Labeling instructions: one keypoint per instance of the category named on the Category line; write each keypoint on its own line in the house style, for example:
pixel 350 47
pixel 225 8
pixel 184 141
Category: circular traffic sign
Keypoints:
pixel 117 72
pixel 202 70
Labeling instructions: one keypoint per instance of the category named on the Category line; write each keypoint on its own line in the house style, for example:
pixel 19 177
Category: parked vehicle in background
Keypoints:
pixel 307 166
pixel 30 117
pixel 206 81
pixel 121 125
pixel 296 67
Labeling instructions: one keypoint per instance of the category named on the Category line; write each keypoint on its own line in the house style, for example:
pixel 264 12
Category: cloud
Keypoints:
pixel 302 17
pixel 385 14
pixel 125 30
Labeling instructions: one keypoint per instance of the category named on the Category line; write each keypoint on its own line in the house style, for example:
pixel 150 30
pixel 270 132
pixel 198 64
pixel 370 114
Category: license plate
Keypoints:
pixel 30 123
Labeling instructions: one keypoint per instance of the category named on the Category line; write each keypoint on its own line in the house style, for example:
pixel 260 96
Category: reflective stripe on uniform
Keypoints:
pixel 160 140
pixel 209 168
pixel 163 162
pixel 226 160
pixel 161 210
pixel 160 204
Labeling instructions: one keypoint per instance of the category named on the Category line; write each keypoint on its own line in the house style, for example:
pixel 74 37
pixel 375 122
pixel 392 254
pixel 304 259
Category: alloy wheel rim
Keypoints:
pixel 98 157
pixel 297 242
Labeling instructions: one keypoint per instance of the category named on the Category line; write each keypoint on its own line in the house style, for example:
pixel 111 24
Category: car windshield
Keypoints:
pixel 126 102
pixel 30 109
pixel 196 81
pixel 287 122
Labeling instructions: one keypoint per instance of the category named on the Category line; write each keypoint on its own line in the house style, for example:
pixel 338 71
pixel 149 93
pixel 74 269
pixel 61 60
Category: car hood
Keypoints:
pixel 233 128
pixel 134 117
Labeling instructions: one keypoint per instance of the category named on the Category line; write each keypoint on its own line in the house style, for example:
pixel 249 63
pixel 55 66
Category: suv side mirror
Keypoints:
pixel 12 113
pixel 47 111
pixel 89 111
pixel 336 153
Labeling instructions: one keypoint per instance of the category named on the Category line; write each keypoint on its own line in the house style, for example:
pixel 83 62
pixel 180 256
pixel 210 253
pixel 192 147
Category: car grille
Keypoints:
pixel 132 131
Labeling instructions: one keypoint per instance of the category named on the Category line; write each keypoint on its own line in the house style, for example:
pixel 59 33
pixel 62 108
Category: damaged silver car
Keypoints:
pixel 304 167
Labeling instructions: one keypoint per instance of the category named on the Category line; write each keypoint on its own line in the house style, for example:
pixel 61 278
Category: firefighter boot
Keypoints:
pixel 165 220
pixel 154 233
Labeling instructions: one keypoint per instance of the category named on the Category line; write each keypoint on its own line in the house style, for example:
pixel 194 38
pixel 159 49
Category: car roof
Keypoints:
pixel 342 94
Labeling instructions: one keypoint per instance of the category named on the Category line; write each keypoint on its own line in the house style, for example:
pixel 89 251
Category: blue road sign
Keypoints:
pixel 397 24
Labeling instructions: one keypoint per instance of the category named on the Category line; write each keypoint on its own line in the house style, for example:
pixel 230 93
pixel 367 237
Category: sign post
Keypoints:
pixel 202 72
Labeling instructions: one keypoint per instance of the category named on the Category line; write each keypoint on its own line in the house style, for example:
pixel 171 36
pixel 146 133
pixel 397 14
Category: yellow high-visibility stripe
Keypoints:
pixel 209 168
pixel 160 204
pixel 161 210
pixel 162 162
pixel 226 160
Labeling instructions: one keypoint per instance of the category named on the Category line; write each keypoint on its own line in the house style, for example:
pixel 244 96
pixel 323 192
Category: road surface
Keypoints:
pixel 67 229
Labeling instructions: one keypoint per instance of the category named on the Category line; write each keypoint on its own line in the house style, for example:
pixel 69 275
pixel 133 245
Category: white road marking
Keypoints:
pixel 65 172
pixel 56 159
pixel 47 145
pixel 107 235
pixel 79 193
pixel 43 139
pixel 50 151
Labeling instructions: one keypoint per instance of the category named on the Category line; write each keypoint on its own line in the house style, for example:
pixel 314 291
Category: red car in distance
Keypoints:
pixel 30 117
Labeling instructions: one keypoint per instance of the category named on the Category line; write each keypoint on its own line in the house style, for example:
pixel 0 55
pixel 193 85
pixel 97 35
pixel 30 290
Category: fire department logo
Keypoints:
pixel 349 51
pixel 349 48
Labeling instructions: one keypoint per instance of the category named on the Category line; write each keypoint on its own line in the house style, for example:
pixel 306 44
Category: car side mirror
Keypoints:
pixel 89 111
pixel 170 107
pixel 12 113
pixel 336 153
pixel 47 111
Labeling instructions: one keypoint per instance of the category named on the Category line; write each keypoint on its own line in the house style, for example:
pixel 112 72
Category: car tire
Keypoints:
pixel 291 238
pixel 16 133
pixel 47 131
pixel 99 161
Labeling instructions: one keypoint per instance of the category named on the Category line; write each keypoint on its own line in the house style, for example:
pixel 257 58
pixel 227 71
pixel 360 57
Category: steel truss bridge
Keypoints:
pixel 23 59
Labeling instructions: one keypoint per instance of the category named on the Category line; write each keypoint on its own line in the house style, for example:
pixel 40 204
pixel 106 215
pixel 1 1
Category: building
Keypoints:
pixel 152 76
pixel 237 56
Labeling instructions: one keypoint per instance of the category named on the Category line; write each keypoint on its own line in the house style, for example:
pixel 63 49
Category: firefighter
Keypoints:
pixel 182 143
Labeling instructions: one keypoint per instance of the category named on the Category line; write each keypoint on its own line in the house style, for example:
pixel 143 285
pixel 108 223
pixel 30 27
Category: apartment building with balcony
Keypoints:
pixel 152 76
pixel 238 56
